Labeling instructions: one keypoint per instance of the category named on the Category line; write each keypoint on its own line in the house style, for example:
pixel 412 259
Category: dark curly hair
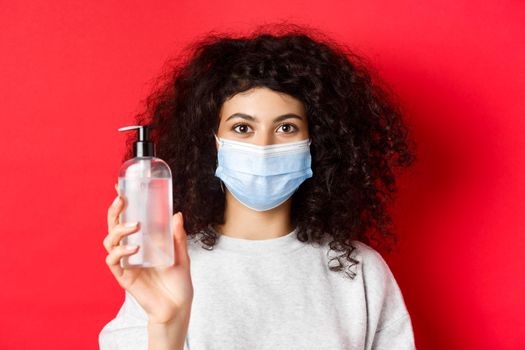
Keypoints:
pixel 357 132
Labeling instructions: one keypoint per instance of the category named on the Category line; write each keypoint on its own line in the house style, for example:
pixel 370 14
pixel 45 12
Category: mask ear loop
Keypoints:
pixel 217 162
pixel 220 181
pixel 217 139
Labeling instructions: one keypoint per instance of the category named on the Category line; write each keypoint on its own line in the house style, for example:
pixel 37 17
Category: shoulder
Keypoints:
pixel 376 273
pixel 384 296
pixel 372 262
pixel 363 259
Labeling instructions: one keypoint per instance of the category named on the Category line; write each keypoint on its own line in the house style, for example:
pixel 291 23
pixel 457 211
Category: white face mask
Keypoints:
pixel 263 177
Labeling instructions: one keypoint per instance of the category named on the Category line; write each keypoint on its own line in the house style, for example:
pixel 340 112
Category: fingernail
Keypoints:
pixel 130 224
pixel 131 247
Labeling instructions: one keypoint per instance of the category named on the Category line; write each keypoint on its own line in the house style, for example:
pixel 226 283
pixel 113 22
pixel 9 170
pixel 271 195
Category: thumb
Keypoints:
pixel 180 240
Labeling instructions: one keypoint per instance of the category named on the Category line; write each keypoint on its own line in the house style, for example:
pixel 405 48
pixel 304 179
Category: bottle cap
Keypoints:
pixel 143 147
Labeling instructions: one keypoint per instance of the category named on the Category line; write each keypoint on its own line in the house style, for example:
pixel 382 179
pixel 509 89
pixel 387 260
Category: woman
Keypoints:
pixel 282 151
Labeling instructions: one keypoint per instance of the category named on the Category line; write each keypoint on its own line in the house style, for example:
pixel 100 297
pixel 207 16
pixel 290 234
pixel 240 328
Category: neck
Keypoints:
pixel 243 222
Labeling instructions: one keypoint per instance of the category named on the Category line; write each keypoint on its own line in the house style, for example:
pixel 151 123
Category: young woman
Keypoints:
pixel 282 151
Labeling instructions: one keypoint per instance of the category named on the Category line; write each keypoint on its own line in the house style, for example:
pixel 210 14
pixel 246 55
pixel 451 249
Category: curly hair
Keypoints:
pixel 357 132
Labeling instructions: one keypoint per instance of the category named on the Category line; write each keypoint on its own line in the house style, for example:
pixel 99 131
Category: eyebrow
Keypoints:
pixel 276 120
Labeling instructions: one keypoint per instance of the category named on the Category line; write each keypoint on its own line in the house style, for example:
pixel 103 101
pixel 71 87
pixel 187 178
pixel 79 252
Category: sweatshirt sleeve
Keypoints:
pixel 389 323
pixel 395 335
pixel 128 330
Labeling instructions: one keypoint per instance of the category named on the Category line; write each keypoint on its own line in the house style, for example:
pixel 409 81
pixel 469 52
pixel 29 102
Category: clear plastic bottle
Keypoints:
pixel 145 182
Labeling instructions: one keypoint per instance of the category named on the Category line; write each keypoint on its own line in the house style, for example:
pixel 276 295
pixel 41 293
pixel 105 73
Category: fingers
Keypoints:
pixel 113 258
pixel 117 233
pixel 180 238
pixel 114 210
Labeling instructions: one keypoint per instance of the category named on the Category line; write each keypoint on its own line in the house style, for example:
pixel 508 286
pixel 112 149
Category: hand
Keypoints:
pixel 164 293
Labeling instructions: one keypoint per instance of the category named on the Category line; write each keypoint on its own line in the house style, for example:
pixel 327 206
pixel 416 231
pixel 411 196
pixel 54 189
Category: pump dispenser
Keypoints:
pixel 145 182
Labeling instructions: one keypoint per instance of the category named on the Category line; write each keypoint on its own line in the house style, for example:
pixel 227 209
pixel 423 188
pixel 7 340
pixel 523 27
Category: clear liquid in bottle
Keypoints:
pixel 148 201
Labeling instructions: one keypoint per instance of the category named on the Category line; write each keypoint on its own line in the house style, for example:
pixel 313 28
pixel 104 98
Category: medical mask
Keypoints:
pixel 263 177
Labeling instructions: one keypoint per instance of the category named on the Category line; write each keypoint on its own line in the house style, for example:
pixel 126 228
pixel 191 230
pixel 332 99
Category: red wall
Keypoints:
pixel 72 72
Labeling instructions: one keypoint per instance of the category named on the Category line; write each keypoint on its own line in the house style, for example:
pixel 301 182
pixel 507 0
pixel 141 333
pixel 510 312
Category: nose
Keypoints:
pixel 263 139
pixel 263 136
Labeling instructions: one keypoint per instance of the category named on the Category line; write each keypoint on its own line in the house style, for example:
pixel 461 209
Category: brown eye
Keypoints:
pixel 240 128
pixel 288 128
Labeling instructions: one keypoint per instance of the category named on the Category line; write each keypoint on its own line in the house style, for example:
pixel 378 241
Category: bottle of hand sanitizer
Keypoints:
pixel 145 182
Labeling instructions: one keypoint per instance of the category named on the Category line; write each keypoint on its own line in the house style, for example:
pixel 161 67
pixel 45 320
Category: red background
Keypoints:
pixel 72 72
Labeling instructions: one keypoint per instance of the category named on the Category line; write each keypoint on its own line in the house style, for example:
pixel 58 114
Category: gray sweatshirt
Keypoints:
pixel 279 294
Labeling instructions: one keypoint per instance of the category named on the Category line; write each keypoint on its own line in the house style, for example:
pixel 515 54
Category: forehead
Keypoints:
pixel 262 102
